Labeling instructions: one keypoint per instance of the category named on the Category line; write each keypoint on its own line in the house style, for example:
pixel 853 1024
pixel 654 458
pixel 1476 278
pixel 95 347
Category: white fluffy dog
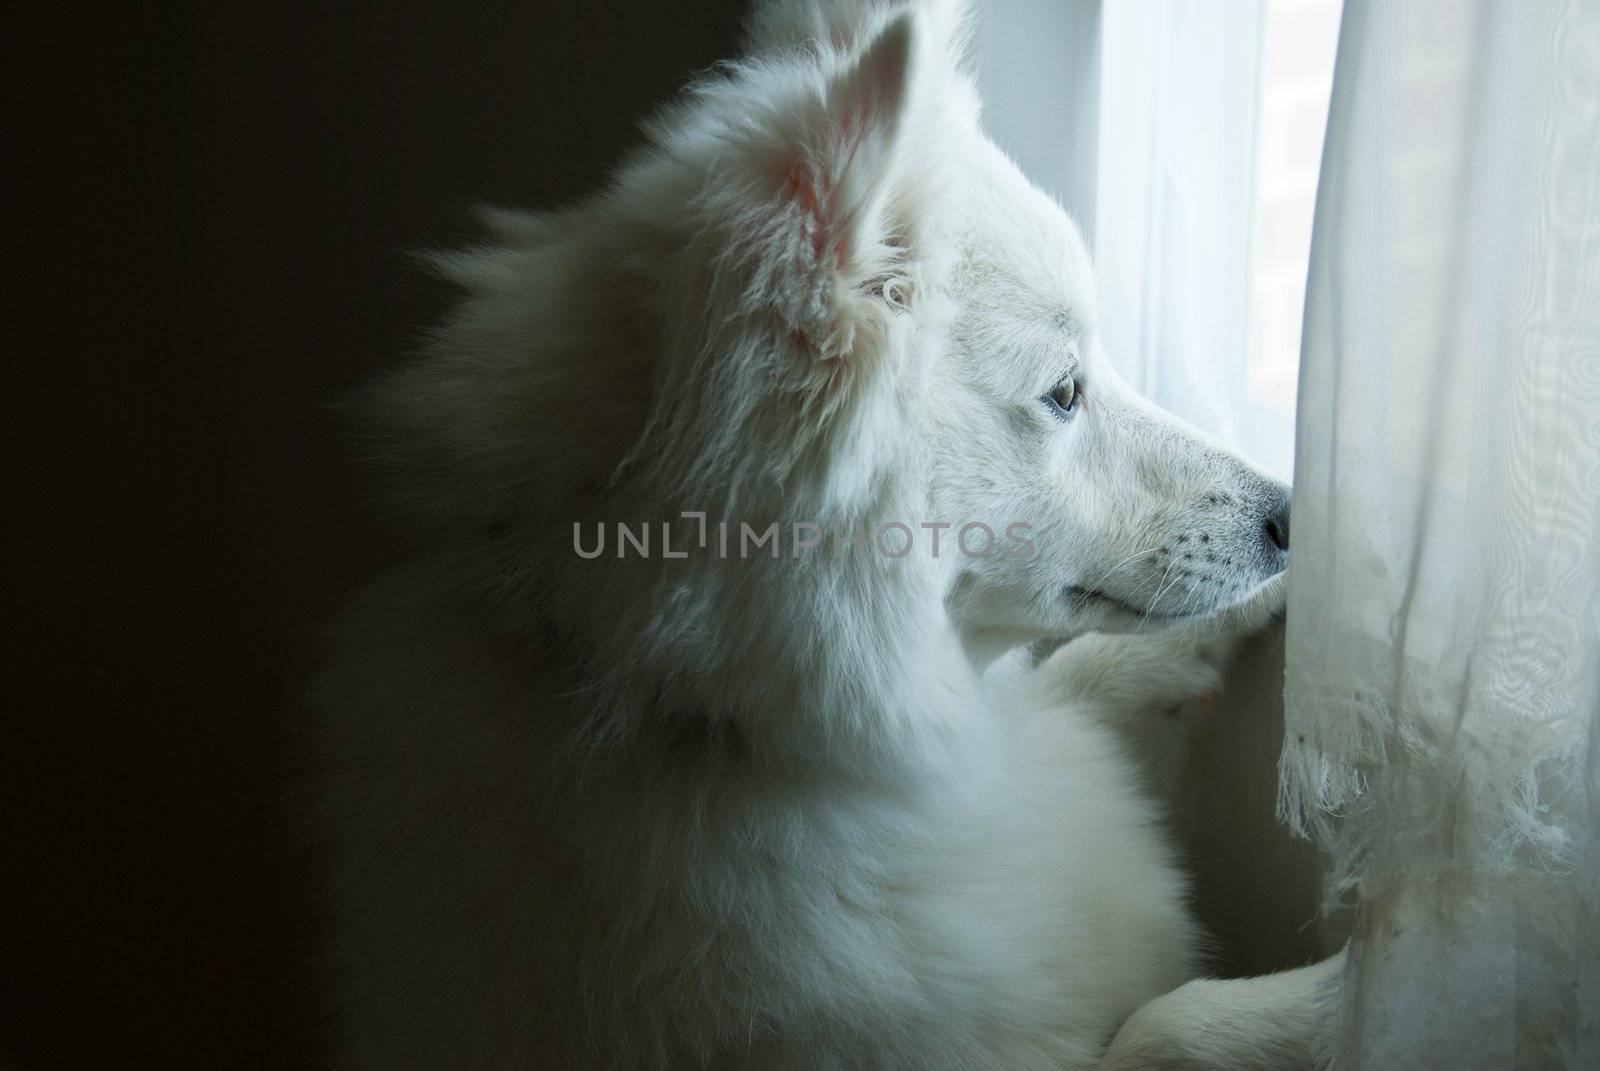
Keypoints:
pixel 711 805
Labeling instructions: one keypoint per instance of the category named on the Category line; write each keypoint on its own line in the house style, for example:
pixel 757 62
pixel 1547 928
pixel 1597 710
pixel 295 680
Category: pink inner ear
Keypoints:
pixel 801 189
pixel 860 108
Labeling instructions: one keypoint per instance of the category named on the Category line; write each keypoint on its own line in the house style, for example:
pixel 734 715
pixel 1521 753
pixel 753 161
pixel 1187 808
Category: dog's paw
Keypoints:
pixel 1254 612
pixel 1218 637
pixel 1133 673
pixel 1271 1022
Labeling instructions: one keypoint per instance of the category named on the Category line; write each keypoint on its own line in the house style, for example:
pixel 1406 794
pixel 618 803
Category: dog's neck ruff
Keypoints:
pixel 859 675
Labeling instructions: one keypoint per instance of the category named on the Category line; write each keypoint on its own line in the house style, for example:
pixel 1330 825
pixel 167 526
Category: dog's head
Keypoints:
pixel 922 308
pixel 824 297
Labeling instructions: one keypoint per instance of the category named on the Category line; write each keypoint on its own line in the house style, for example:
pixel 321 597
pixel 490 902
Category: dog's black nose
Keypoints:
pixel 1276 522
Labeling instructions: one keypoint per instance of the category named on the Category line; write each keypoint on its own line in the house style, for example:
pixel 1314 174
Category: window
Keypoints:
pixel 1186 140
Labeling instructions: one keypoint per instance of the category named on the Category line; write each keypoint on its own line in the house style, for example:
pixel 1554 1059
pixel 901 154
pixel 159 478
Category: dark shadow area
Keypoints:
pixel 213 226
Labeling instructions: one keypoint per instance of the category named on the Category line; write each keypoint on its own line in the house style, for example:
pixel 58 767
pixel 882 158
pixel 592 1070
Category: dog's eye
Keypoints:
pixel 1064 397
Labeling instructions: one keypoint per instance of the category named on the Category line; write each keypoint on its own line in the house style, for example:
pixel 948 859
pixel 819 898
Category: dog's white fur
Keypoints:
pixel 756 812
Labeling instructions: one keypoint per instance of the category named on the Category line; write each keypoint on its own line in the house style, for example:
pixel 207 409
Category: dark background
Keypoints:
pixel 208 251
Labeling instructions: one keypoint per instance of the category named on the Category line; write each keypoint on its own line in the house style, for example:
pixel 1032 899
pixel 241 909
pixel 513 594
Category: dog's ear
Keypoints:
pixel 809 209
pixel 840 176
pixel 835 24
pixel 833 263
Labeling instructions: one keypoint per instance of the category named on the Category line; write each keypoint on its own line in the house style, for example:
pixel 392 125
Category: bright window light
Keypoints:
pixel 1297 79
pixel 1186 138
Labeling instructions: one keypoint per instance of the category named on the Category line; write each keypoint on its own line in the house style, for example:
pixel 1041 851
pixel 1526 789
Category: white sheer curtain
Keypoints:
pixel 1443 725
pixel 1443 735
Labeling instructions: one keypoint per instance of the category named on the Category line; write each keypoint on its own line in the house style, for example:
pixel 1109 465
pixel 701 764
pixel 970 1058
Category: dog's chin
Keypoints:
pixel 1101 611
pixel 1257 606
pixel 1088 600
pixel 1094 610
